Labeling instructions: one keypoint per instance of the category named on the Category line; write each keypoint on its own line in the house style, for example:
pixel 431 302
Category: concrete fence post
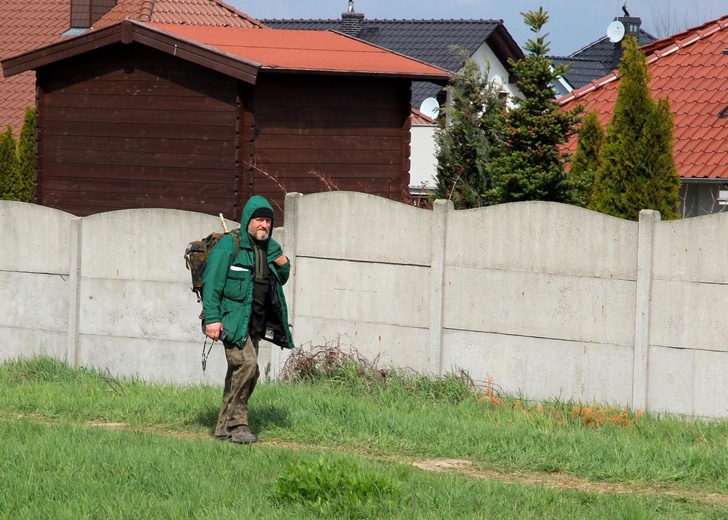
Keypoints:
pixel 278 357
pixel 643 296
pixel 74 303
pixel 437 278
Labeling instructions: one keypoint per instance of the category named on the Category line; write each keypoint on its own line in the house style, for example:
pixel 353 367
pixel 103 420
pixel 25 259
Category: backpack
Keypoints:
pixel 196 255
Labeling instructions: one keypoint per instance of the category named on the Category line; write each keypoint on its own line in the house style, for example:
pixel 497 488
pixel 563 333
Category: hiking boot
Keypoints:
pixel 242 435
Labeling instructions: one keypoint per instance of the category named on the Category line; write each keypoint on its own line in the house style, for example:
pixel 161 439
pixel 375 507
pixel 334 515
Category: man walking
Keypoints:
pixel 243 302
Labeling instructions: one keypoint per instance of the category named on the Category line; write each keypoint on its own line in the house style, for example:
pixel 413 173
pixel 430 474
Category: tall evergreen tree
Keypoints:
pixel 532 166
pixel 26 156
pixel 8 166
pixel 586 161
pixel 662 191
pixel 637 168
pixel 467 138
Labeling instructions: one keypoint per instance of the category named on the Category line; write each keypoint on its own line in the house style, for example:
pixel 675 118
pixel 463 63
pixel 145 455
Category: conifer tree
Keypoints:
pixel 26 156
pixel 663 180
pixel 532 166
pixel 637 168
pixel 467 138
pixel 8 166
pixel 586 162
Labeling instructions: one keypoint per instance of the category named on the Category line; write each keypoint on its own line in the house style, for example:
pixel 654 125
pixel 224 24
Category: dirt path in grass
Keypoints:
pixel 561 481
pixel 550 480
pixel 464 467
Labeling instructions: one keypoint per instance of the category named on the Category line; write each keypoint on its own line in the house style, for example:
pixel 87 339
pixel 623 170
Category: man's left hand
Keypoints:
pixel 281 260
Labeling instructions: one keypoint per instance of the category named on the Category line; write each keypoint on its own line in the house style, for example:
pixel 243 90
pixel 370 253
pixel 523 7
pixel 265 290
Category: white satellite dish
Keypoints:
pixel 615 31
pixel 430 107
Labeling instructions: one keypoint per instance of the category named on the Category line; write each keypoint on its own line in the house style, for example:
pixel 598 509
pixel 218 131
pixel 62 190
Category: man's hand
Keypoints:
pixel 281 260
pixel 212 330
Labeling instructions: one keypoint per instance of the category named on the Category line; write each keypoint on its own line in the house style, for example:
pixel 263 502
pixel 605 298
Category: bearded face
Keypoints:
pixel 259 228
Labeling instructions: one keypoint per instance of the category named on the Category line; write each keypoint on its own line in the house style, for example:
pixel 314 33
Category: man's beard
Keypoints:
pixel 261 235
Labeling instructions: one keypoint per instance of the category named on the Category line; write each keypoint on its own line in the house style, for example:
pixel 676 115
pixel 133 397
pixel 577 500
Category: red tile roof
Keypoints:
pixel 242 52
pixel 305 51
pixel 25 26
pixel 191 12
pixel 418 118
pixel 691 70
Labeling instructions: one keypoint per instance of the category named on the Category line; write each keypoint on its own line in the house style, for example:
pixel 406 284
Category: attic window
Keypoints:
pixel 74 31
pixel 85 13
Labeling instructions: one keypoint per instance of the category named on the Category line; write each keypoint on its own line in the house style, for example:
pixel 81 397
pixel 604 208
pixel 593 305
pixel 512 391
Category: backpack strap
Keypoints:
pixel 236 240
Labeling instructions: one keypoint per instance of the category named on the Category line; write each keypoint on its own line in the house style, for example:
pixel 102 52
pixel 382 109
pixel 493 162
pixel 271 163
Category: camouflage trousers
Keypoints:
pixel 242 375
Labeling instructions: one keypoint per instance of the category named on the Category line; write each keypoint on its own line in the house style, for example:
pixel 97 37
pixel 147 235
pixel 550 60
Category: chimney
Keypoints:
pixel 351 22
pixel 632 26
pixel 85 13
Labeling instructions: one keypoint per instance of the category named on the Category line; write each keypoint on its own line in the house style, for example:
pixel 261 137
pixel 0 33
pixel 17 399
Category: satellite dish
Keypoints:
pixel 615 31
pixel 430 107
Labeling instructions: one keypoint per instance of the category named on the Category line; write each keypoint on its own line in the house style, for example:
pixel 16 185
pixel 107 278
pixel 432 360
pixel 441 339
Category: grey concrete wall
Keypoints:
pixel 536 290
pixel 543 299
pixel 34 280
pixel 110 290
pixel 362 275
pixel 689 330
pixel 135 308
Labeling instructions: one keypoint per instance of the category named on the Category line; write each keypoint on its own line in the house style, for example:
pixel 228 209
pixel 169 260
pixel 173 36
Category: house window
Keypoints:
pixel 723 195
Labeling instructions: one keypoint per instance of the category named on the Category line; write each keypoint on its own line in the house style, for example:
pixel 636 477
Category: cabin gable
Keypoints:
pixel 128 126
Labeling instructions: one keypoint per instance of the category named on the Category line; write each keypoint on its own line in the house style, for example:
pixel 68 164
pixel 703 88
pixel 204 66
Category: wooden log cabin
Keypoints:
pixel 200 118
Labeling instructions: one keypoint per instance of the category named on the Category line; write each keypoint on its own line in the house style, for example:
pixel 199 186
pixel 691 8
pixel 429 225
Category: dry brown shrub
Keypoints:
pixel 595 415
pixel 324 361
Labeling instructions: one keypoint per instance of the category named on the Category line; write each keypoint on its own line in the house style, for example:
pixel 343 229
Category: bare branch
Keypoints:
pixel 113 383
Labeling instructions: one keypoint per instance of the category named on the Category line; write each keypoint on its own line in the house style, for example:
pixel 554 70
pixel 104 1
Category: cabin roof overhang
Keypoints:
pixel 128 32
pixel 242 53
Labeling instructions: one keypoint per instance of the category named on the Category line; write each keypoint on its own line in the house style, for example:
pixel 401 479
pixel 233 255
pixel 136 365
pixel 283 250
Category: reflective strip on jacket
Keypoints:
pixel 228 286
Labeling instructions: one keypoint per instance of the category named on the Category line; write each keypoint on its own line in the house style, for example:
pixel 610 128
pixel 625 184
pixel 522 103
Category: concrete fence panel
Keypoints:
pixel 689 332
pixel 362 276
pixel 534 290
pixel 35 275
pixel 544 300
pixel 362 227
pixel 134 293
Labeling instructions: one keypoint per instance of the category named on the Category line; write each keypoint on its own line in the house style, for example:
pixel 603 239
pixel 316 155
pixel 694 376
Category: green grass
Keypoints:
pixel 340 446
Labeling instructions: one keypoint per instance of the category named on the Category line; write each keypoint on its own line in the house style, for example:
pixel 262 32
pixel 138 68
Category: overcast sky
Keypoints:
pixel 573 24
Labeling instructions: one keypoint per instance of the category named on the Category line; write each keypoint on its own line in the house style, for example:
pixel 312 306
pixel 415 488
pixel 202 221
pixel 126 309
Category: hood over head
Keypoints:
pixel 256 203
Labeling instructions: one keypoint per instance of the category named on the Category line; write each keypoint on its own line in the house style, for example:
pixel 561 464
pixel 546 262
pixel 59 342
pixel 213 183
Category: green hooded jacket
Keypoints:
pixel 227 290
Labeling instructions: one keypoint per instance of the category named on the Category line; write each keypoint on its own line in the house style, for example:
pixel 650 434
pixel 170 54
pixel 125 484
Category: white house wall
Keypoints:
pixel 484 57
pixel 423 158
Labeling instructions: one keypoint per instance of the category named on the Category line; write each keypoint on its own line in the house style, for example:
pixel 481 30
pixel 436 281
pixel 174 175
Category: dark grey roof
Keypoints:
pixel 581 71
pixel 603 50
pixel 597 59
pixel 430 41
pixel 306 25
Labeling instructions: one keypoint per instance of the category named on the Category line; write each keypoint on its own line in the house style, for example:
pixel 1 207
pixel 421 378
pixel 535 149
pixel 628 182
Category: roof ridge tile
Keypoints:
pixel 146 12
pixel 721 23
